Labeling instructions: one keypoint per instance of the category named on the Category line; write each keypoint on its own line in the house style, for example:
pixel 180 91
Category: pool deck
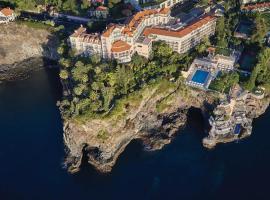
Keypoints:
pixel 203 70
pixel 203 65
pixel 199 82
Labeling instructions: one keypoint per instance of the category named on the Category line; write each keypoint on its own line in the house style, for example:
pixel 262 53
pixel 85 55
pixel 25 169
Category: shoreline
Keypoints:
pixel 24 69
pixel 103 155
pixel 154 130
pixel 34 49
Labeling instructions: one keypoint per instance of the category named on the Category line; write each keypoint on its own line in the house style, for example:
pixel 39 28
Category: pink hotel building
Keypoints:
pixel 120 42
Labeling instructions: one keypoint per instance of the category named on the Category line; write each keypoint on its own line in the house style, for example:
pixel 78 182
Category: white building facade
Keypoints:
pixel 120 42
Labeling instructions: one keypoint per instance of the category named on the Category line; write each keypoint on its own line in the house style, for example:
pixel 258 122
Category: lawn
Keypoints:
pixel 223 51
pixel 36 25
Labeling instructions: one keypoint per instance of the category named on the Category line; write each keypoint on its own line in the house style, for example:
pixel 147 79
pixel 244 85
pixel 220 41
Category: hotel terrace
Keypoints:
pixel 120 42
pixel 203 70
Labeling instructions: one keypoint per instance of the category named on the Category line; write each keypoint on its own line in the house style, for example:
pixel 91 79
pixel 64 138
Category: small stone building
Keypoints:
pixel 7 15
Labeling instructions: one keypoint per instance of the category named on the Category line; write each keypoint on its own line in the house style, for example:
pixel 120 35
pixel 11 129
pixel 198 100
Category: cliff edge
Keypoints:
pixel 155 117
pixel 22 49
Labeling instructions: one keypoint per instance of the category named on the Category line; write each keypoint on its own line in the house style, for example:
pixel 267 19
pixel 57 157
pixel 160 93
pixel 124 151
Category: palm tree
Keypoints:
pixel 65 62
pixel 63 74
pixel 112 78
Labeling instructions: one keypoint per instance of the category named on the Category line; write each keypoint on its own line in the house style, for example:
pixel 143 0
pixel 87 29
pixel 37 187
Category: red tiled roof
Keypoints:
pixel 110 29
pixel 135 20
pixel 256 6
pixel 85 37
pixel 101 8
pixel 90 38
pixel 182 32
pixel 140 16
pixel 120 46
pixel 7 11
pixel 79 31
pixel 164 11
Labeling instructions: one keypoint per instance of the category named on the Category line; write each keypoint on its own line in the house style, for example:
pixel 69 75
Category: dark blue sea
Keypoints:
pixel 32 153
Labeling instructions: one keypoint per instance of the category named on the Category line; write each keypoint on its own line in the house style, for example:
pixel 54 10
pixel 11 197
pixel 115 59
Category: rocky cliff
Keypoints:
pixel 244 109
pixel 105 139
pixel 20 46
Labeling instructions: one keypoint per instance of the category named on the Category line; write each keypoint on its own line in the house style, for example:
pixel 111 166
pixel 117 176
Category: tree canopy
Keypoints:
pixel 261 73
pixel 225 81
pixel 97 85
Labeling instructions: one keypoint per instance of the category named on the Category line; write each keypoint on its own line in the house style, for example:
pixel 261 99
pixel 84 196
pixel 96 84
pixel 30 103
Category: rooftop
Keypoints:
pixel 85 37
pixel 181 32
pixel 79 31
pixel 110 29
pixel 133 22
pixel 101 8
pixel 256 6
pixel 90 38
pixel 143 40
pixel 120 46
pixel 7 11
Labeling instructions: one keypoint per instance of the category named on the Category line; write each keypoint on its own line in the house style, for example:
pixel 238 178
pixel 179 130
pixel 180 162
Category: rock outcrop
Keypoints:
pixel 21 45
pixel 243 109
pixel 105 139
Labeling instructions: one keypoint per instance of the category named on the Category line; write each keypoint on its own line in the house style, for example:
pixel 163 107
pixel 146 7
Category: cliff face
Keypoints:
pixel 105 139
pixel 243 110
pixel 21 45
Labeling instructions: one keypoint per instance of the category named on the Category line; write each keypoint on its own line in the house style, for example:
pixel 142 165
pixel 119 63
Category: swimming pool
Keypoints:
pixel 200 76
pixel 237 129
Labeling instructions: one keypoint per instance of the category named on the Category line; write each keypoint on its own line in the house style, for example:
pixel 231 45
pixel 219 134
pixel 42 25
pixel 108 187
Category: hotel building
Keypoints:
pixel 120 42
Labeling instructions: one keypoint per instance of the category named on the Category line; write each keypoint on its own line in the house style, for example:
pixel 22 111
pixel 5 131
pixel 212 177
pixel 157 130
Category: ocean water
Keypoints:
pixel 32 152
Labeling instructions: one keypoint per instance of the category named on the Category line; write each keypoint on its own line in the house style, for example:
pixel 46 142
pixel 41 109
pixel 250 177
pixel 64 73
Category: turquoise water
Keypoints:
pixel 32 152
pixel 200 76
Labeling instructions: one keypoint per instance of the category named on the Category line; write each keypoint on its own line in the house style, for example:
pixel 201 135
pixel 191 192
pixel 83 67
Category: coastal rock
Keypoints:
pixel 22 50
pixel 143 122
pixel 103 140
pixel 254 106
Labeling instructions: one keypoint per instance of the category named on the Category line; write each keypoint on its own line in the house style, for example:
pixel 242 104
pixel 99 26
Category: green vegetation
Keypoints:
pixel 37 25
pixel 77 7
pixel 224 38
pixel 224 82
pixel 202 47
pixel 227 24
pixel 223 51
pixel 31 24
pixel 260 75
pixel 259 30
pixel 103 135
pixel 177 88
pixel 102 89
pixel 152 3
pixel 98 89
pixel 73 6
pixel 204 2
pixel 113 3
pixel 266 17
